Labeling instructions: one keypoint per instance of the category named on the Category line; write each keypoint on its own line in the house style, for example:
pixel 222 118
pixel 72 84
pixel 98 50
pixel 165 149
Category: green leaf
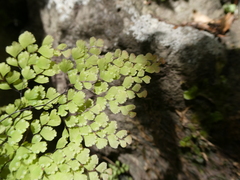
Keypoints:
pixel 90 139
pixel 128 81
pixel 46 51
pixel 39 147
pixel 71 121
pixel 12 77
pixel 113 141
pixel 28 73
pixel 48 40
pixel 128 139
pixel 62 142
pixel 191 93
pixel 101 143
pixel 114 107
pixel 92 41
pixel 95 51
pixel 43 63
pixel 12 61
pixel 130 94
pixel 58 157
pixel 100 87
pixel 101 167
pixel 52 93
pixel 142 94
pixel 41 79
pixel 15 137
pixel 111 128
pixel 75 136
pixel 61 46
pixel 23 59
pixel 93 176
pixel 146 79
pixel 65 65
pixel 102 119
pixel 51 169
pixel 55 120
pixel 117 53
pixel 67 53
pixel 10 109
pixel 83 156
pixel 35 126
pixel 22 125
pixel 92 163
pixel 20 84
pixel 121 134
pixel 4 69
pixel 45 161
pixel 79 175
pixel 21 172
pixel 85 130
pixel 48 133
pixel 99 43
pixel 37 69
pixel 125 70
pixel 33 59
pixel 126 109
pixel 14 49
pixel 73 108
pixel 32 48
pixel 4 86
pixel 36 171
pixel 79 98
pixel 49 72
pixel 136 87
pixel 26 39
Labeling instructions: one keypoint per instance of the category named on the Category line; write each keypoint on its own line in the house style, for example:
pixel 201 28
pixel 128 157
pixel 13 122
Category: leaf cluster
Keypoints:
pixel 24 138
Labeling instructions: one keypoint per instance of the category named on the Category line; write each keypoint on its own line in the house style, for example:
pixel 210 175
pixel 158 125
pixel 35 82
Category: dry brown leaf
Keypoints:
pixel 182 115
pixel 200 18
pixel 226 22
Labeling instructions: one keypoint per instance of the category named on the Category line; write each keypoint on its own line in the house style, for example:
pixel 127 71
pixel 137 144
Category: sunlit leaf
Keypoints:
pixel 32 48
pixel 92 163
pixel 48 40
pixel 35 126
pixel 14 49
pixel 101 143
pixel 46 51
pixel 4 69
pixel 26 39
pixel 41 79
pixel 28 73
pixel 48 133
pixel 111 127
pixel 35 171
pixel 83 156
pixel 65 65
pixel 90 139
pixel 43 63
pixel 12 77
pixel 12 61
pixel 39 147
pixel 113 141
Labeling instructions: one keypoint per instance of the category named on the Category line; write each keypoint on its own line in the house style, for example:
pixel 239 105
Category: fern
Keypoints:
pixel 30 125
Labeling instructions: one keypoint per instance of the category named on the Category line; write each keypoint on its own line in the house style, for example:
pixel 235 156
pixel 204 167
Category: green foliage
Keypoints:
pixel 118 169
pixel 229 8
pixel 32 146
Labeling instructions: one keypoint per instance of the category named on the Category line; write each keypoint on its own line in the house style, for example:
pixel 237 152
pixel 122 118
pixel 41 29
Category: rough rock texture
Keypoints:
pixel 188 55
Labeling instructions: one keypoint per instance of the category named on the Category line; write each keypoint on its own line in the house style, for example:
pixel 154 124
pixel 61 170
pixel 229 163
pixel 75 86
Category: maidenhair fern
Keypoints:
pixel 69 121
